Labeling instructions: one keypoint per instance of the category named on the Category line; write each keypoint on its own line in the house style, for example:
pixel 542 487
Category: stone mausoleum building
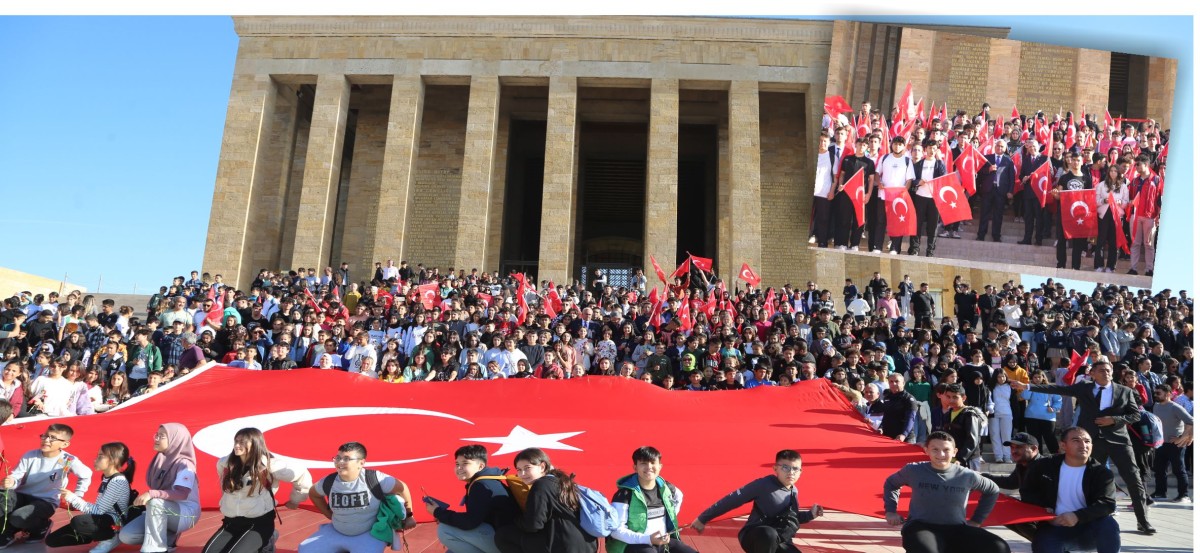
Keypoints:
pixel 552 145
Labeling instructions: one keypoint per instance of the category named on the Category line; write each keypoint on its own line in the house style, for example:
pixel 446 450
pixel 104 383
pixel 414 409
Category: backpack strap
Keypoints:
pixel 327 484
pixel 372 477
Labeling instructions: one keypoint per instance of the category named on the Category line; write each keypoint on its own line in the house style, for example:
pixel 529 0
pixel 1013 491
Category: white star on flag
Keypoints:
pixel 953 205
pixel 901 218
pixel 1080 221
pixel 520 438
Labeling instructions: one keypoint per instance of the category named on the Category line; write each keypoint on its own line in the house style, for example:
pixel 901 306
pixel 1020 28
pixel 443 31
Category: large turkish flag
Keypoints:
pixel 901 214
pixel 950 199
pixel 712 442
pixel 1041 181
pixel 856 190
pixel 1078 213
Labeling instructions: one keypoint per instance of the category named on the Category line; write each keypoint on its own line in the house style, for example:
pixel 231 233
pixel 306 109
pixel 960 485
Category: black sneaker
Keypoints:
pixel 6 541
pixel 38 535
pixel 1150 500
pixel 1150 273
pixel 1145 528
pixel 1132 272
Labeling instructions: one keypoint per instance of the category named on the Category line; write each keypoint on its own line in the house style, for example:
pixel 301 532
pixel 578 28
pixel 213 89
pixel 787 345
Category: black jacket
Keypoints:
pixel 967 430
pixel 1126 408
pixel 1014 480
pixel 547 525
pixel 487 501
pixel 1041 487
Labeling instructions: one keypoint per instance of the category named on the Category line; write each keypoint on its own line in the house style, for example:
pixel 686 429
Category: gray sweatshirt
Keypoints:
pixel 42 477
pixel 940 497
pixel 1174 419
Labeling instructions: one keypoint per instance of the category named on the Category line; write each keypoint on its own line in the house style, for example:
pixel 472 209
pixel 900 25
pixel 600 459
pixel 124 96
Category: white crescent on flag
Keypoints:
pixel 1086 210
pixel 942 195
pixel 1040 183
pixel 747 275
pixel 215 439
pixel 903 204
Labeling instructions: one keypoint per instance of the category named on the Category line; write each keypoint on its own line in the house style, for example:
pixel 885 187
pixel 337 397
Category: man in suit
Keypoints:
pixel 1105 408
pixel 1037 218
pixel 1082 520
pixel 1002 179
pixel 926 170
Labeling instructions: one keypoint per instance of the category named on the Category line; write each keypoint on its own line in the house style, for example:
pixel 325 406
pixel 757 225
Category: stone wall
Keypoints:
pixel 786 199
pixel 434 218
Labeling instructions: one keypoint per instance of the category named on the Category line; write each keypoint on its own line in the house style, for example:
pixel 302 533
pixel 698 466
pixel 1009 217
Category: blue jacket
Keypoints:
pixel 487 501
pixel 1036 406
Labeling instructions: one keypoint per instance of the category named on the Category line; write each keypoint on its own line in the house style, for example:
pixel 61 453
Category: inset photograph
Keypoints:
pixel 1035 158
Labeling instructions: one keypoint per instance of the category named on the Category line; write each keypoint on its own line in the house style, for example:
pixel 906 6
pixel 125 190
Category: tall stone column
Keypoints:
pixel 322 171
pixel 743 242
pixel 247 130
pixel 474 207
pixel 390 219
pixel 661 235
pixel 559 182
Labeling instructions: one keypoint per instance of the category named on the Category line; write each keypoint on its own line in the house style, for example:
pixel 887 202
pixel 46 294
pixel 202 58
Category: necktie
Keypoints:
pixel 1099 394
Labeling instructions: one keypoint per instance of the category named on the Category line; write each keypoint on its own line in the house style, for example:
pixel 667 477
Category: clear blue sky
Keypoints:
pixel 111 130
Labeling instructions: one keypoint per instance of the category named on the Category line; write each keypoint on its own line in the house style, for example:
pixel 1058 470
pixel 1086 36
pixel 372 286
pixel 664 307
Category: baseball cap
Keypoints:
pixel 1022 438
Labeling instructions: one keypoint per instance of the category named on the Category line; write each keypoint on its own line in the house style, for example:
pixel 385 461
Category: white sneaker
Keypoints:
pixel 1101 270
pixel 812 239
pixel 106 545
pixel 841 248
pixel 893 252
pixel 876 251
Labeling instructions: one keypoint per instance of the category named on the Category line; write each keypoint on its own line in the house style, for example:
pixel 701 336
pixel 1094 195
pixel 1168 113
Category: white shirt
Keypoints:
pixel 927 175
pixel 1070 490
pixel 1106 399
pixel 894 172
pixel 1102 191
pixel 824 179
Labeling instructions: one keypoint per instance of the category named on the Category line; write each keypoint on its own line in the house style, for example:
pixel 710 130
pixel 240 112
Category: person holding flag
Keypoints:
pixel 1146 197
pixel 1037 218
pixel 895 171
pixel 925 171
pixel 1073 178
pixel 846 223
pixel 1112 195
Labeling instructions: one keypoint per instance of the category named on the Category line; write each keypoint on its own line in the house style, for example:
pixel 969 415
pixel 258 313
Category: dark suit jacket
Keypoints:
pixel 1125 408
pixel 1003 165
pixel 1099 493
pixel 939 170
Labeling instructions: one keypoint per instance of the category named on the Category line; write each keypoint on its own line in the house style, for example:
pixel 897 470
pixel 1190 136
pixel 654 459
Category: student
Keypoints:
pixel 937 511
pixel 488 505
pixel 1079 491
pixel 550 523
pixel 647 509
pixel 776 513
pixel 351 499
pixel 173 500
pixel 32 488
pixel 96 521
pixel 250 476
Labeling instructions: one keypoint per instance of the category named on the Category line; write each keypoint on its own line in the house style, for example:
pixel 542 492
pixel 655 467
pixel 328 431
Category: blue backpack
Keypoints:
pixel 597 516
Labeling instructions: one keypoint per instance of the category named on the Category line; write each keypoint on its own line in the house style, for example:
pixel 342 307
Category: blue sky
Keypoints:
pixel 111 129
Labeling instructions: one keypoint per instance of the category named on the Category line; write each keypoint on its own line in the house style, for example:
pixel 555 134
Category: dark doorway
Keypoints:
pixel 522 226
pixel 1128 77
pixel 697 220
pixel 612 194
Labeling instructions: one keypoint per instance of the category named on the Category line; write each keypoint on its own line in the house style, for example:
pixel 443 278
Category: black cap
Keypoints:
pixel 1021 438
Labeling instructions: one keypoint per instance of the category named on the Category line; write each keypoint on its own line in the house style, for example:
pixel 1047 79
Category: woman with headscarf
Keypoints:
pixel 173 501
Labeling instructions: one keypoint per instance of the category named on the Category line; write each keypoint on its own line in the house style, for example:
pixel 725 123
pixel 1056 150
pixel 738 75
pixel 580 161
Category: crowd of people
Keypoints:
pixel 1123 162
pixel 1001 366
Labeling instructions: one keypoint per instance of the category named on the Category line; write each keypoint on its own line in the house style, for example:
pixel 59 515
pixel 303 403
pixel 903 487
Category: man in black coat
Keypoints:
pixel 922 305
pixel 1080 522
pixel 1105 408
pixel 1000 182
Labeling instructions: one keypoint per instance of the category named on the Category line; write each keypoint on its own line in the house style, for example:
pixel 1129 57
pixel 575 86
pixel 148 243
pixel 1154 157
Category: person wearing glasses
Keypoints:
pixel 351 499
pixel 776 514
pixel 33 488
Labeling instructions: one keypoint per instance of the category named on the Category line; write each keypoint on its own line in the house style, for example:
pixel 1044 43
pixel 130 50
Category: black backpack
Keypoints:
pixel 372 477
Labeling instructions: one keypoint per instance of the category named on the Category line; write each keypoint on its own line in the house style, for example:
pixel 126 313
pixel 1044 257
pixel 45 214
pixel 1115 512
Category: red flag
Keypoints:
pixel 487 299
pixel 1077 360
pixel 905 102
pixel 307 412
pixel 555 300
pixel 947 154
pixel 1015 114
pixel 710 307
pixel 702 263
pixel 1078 213
pixel 682 270
pixel 1118 221
pixel 1041 181
pixel 549 309
pixel 836 105
pixel 855 190
pixel 655 308
pixel 1144 204
pixel 968 164
pixel 1017 160
pixel 950 199
pixel 747 274
pixel 1108 121
pixel 308 297
pixel 429 294
pixel 685 317
pixel 901 213
pixel 658 270
pixel 1069 139
pixel 769 303
pixel 920 110
pixel 863 126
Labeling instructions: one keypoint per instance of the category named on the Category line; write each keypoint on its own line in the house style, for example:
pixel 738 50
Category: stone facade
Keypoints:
pixel 371 138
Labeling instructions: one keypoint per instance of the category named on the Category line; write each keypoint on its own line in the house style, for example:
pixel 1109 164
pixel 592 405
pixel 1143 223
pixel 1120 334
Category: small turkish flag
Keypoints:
pixel 947 154
pixel 1015 114
pixel 769 303
pixel 968 164
pixel 549 309
pixel 1069 139
pixel 901 213
pixel 710 307
pixel 920 112
pixel 685 317
pixel 836 105
pixel 1017 160
pixel 555 300
pixel 702 263
pixel 1108 121
pixel 863 126
pixel 682 270
pixel 950 199
pixel 487 299
pixel 429 294
pixel 658 270
pixel 1040 181
pixel 905 103
pixel 1078 213
pixel 1118 221
pixel 855 190
pixel 747 274
pixel 1077 360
